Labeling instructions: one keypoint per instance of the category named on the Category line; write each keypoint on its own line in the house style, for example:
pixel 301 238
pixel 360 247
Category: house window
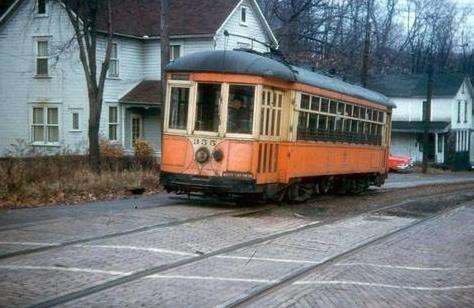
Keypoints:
pixel 114 61
pixel 75 121
pixel 42 55
pixel 41 7
pixel 113 123
pixel 459 111
pixel 175 52
pixel 137 125
pixel 242 45
pixel 243 15
pixel 45 125
pixel 465 111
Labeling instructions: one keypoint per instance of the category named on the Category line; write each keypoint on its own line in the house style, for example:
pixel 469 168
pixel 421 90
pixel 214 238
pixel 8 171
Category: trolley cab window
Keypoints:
pixel 207 107
pixel 240 109
pixel 179 103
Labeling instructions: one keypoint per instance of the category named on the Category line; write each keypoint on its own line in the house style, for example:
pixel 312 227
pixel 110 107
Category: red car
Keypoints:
pixel 400 163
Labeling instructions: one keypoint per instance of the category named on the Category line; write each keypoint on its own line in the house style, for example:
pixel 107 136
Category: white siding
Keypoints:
pixel 19 89
pixel 66 88
pixel 411 109
pixel 253 29
pixel 462 95
pixel 152 53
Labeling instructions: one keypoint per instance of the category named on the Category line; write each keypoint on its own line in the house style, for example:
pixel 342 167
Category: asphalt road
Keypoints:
pixel 404 247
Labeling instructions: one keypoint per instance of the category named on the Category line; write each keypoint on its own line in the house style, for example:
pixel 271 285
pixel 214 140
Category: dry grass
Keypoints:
pixel 43 179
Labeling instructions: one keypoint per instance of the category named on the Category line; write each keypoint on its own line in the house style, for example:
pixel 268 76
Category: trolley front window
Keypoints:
pixel 207 107
pixel 240 109
pixel 178 117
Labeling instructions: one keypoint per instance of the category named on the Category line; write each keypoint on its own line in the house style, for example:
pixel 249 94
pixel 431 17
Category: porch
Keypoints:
pixel 407 140
pixel 141 109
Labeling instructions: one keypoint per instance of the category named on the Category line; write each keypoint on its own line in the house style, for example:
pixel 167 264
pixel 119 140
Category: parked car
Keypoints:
pixel 400 164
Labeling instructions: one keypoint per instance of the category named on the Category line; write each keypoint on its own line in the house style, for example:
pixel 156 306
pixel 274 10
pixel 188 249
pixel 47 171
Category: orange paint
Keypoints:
pixel 271 161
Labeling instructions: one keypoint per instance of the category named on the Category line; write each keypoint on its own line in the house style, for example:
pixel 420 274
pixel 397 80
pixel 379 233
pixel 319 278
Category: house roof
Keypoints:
pixel 241 62
pixel 418 126
pixel 139 18
pixel 146 92
pixel 187 17
pixel 404 85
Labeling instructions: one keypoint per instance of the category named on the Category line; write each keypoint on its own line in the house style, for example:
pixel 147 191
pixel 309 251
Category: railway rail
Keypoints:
pixel 456 201
pixel 310 269
pixel 261 209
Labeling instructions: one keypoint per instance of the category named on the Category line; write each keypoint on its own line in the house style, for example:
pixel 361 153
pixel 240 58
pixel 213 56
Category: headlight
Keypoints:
pixel 218 155
pixel 202 155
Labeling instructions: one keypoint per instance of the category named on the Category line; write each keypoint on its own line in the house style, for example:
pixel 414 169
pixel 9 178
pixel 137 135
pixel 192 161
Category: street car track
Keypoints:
pixel 161 268
pixel 307 270
pixel 51 246
pixel 132 231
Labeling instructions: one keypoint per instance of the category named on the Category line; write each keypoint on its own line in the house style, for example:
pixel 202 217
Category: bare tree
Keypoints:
pixel 339 36
pixel 83 16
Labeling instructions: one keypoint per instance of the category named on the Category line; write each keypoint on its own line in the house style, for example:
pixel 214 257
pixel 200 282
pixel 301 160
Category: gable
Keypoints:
pixel 246 34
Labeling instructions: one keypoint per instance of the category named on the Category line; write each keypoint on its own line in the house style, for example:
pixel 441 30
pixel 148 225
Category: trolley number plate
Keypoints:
pixel 204 141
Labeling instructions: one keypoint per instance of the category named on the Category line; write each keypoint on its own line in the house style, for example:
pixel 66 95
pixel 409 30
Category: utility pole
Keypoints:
pixel 165 56
pixel 426 116
pixel 364 76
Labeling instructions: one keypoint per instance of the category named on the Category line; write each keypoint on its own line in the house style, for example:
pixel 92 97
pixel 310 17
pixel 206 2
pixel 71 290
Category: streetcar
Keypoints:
pixel 243 124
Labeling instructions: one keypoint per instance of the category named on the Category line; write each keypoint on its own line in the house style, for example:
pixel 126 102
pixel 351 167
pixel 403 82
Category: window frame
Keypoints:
pixel 172 53
pixel 77 111
pixel 244 15
pixel 191 105
pixel 39 40
pixel 37 7
pixel 465 111
pixel 134 116
pixel 115 60
pixel 459 112
pixel 220 109
pixel 45 124
pixel 256 104
pixel 116 123
pixel 361 121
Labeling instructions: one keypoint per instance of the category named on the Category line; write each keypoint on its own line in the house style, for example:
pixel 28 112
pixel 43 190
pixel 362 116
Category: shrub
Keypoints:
pixel 108 149
pixel 144 153
pixel 65 179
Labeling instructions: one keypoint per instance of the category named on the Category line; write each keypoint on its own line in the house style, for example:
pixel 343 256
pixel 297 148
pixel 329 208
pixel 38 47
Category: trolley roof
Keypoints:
pixel 242 62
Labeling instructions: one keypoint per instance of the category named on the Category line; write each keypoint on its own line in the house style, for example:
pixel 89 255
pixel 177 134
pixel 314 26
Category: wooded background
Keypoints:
pixel 356 39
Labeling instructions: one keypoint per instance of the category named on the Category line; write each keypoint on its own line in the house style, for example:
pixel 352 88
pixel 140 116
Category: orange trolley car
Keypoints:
pixel 239 123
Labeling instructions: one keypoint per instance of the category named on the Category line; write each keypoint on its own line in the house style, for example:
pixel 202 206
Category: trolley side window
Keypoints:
pixel 179 102
pixel 207 107
pixel 338 121
pixel 240 109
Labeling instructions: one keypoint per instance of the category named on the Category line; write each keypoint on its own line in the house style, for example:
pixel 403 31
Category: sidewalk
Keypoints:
pixel 406 180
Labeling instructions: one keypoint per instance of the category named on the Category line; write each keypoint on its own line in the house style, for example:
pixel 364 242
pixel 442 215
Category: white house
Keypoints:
pixel 43 94
pixel 451 119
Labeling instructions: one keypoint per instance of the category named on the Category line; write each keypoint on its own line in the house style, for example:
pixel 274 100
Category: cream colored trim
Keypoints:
pixel 176 84
pixel 223 109
pixel 257 110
